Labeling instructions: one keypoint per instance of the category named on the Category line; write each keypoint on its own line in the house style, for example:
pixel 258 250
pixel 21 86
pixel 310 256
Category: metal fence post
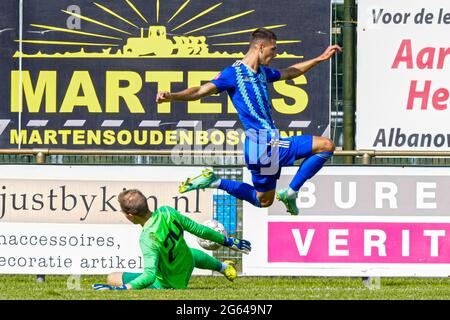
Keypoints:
pixel 368 281
pixel 40 159
pixel 349 76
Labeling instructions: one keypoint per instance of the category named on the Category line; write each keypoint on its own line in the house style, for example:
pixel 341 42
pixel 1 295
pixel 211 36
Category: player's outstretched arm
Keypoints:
pixel 188 94
pixel 207 233
pixel 197 229
pixel 300 68
pixel 236 244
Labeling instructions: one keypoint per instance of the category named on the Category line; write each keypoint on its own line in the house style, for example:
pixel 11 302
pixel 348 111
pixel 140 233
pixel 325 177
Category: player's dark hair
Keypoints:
pixel 133 202
pixel 262 34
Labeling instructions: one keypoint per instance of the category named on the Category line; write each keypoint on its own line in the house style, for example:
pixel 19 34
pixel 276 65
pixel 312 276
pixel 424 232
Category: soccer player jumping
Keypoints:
pixel 246 82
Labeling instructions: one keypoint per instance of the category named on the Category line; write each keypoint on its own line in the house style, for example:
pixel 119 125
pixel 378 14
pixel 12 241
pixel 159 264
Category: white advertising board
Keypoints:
pixel 403 83
pixel 57 219
pixel 355 221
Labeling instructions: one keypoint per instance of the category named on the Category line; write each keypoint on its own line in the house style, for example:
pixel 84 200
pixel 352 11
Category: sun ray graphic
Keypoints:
pixel 179 10
pixel 115 14
pixel 157 11
pixel 95 21
pixel 221 21
pixel 245 31
pixel 153 40
pixel 74 31
pixel 198 16
pixel 246 43
pixel 68 43
pixel 132 6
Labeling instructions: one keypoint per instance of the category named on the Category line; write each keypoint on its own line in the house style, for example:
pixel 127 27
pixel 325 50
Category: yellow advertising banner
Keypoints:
pixel 83 74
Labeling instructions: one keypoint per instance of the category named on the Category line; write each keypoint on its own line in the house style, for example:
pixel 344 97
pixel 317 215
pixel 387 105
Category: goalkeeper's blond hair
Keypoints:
pixel 133 202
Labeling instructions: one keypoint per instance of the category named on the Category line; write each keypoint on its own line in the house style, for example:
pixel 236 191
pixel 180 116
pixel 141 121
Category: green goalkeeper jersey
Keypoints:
pixel 168 261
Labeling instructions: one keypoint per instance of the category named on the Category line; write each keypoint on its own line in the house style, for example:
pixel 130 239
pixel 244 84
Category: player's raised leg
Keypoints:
pixel 321 150
pixel 208 179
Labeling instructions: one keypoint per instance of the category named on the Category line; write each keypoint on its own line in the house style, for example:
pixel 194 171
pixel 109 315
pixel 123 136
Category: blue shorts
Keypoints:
pixel 265 160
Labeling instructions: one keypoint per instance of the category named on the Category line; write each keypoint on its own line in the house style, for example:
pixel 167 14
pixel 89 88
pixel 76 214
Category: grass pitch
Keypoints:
pixel 25 287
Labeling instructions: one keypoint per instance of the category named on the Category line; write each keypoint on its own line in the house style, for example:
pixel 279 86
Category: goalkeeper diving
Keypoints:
pixel 168 261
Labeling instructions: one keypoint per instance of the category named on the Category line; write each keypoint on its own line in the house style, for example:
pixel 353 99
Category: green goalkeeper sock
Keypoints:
pixel 203 260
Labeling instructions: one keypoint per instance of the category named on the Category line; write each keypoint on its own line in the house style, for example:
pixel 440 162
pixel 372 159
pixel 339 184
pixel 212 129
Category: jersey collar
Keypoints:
pixel 250 69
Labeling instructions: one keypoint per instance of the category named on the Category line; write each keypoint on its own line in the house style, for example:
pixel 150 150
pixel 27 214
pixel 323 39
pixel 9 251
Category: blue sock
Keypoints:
pixel 240 190
pixel 309 167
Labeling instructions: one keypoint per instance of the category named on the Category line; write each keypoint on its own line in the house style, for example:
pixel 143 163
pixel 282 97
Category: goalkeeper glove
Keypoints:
pixel 240 245
pixel 99 286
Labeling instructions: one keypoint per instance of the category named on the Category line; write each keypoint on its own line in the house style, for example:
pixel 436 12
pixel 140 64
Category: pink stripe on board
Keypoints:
pixel 359 242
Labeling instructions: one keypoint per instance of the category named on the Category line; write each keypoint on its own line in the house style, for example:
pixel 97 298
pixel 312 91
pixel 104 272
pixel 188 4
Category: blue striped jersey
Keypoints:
pixel 249 93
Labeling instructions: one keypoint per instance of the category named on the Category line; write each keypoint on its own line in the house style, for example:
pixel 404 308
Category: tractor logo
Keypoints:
pixel 156 43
